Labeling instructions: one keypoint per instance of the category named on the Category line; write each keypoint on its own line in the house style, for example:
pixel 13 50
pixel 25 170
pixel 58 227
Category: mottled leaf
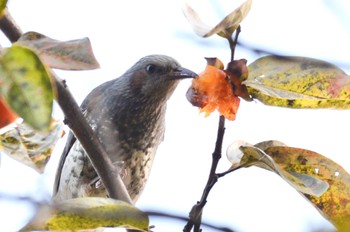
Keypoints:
pixel 225 28
pixel 89 213
pixel 320 180
pixel 30 147
pixel 68 55
pixel 298 82
pixel 26 86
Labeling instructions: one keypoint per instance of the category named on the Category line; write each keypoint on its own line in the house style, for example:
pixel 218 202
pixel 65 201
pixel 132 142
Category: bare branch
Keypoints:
pixel 9 27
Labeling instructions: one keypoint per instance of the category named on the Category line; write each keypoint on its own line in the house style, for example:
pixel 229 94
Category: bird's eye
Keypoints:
pixel 151 68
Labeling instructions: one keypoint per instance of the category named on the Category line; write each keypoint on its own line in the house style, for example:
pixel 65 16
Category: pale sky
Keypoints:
pixel 248 200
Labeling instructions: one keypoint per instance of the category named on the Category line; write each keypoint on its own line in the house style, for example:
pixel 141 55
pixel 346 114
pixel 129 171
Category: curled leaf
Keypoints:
pixel 320 180
pixel 237 72
pixel 225 28
pixel 26 86
pixel 30 147
pixel 88 213
pixel 298 82
pixel 68 55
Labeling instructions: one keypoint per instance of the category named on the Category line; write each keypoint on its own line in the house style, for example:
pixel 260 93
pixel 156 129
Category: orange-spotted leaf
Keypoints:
pixel 298 82
pixel 7 116
pixel 320 180
pixel 212 91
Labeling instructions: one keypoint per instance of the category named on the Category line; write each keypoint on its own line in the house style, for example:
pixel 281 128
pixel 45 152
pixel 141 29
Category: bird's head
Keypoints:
pixel 156 76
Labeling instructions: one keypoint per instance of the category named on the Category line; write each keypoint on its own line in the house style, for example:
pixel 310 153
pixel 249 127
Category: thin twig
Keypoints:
pixel 222 174
pixel 195 215
pixel 234 42
pixel 99 158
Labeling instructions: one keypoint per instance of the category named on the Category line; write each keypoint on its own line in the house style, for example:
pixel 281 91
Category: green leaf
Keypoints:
pixel 89 213
pixel 68 55
pixel 225 28
pixel 298 82
pixel 29 147
pixel 320 180
pixel 3 4
pixel 26 86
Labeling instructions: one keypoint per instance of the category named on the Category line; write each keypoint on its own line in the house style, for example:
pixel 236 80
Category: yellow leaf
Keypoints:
pixel 3 4
pixel 88 213
pixel 298 82
pixel 320 180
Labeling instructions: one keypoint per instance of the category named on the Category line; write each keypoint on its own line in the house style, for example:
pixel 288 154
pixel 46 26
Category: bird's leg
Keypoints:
pixel 97 184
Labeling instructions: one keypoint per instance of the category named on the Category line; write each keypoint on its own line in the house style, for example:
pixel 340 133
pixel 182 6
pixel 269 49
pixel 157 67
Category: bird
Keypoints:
pixel 128 116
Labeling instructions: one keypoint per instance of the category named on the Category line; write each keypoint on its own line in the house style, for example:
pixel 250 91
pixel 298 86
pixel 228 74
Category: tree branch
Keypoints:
pixel 9 27
pixel 195 215
pixel 99 158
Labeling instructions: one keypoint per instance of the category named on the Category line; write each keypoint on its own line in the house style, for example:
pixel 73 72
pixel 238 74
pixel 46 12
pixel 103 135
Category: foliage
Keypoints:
pixel 320 180
pixel 27 90
pixel 26 86
pixel 298 82
pixel 88 213
pixel 2 6
pixel 29 147
pixel 67 55
pixel 225 28
pixel 295 82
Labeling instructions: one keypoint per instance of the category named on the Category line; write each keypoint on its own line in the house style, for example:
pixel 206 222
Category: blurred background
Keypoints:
pixel 122 32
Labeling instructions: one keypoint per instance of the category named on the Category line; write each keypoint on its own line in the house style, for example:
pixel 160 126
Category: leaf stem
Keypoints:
pixel 233 42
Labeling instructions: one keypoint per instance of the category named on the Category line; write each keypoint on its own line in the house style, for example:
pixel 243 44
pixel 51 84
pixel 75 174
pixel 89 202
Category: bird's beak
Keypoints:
pixel 182 73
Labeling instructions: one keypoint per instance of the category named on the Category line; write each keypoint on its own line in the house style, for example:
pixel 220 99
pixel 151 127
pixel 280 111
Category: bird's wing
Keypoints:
pixel 70 141
pixel 69 144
